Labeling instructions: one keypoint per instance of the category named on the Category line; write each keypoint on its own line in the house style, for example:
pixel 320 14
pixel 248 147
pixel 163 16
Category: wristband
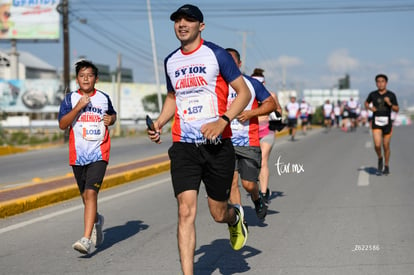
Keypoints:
pixel 226 118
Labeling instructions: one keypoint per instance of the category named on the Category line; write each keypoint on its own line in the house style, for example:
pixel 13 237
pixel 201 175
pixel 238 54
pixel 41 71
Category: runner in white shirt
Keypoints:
pixel 293 111
pixel 327 113
pixel 352 107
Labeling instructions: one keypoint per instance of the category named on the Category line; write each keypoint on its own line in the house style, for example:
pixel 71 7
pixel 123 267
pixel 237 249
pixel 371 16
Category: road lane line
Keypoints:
pixel 74 208
pixel 368 144
pixel 363 177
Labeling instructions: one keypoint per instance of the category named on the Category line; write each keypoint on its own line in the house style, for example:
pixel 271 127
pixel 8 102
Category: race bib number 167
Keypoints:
pixel 198 108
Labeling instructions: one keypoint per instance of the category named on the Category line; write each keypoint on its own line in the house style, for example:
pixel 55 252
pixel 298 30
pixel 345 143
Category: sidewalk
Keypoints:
pixel 24 198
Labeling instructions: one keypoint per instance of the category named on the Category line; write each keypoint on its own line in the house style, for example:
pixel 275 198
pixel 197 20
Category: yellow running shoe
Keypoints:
pixel 239 231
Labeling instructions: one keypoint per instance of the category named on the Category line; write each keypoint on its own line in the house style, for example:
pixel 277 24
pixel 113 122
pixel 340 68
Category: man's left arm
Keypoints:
pixel 267 106
pixel 392 102
pixel 109 119
pixel 394 105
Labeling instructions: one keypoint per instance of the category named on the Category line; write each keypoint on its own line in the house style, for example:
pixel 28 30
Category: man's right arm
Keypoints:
pixel 167 112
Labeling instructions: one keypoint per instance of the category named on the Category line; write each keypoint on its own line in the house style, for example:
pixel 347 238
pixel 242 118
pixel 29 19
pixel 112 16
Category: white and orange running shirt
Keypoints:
pixel 247 133
pixel 199 81
pixel 89 139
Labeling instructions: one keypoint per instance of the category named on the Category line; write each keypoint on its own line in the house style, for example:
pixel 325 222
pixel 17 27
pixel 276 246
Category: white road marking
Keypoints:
pixel 71 209
pixel 368 144
pixel 363 177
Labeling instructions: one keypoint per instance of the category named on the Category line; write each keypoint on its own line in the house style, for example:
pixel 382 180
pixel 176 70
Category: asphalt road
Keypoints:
pixel 329 214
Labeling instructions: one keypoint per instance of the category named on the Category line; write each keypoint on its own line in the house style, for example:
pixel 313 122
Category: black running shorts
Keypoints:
pixel 211 163
pixel 90 176
pixel 292 122
pixel 385 129
pixel 353 115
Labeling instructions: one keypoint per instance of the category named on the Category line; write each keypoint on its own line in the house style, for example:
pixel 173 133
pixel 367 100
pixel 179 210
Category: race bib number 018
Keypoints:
pixel 93 130
pixel 198 108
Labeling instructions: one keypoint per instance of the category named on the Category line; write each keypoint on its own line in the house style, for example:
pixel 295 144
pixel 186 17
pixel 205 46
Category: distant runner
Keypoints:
pixel 383 102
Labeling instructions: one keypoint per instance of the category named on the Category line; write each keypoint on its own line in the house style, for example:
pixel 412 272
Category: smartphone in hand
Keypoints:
pixel 150 125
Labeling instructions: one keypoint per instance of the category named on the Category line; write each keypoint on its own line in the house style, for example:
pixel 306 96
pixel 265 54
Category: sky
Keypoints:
pixel 300 44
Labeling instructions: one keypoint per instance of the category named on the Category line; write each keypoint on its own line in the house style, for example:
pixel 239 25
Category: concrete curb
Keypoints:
pixel 24 204
pixel 8 150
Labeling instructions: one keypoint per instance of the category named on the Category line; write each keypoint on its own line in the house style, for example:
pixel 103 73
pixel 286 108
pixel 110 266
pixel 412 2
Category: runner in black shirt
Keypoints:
pixel 383 102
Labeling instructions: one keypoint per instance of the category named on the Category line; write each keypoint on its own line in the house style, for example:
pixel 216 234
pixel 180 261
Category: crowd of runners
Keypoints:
pixel 347 115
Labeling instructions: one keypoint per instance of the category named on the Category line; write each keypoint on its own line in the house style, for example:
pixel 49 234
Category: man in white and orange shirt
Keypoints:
pixel 245 129
pixel 198 74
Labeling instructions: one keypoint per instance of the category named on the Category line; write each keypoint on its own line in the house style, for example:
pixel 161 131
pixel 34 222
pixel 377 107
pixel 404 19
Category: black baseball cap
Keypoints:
pixel 188 11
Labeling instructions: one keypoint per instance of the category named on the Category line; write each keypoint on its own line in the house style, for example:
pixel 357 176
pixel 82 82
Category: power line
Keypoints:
pixel 128 13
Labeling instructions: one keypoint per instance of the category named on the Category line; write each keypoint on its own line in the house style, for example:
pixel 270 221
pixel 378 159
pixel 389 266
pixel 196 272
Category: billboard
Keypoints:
pixel 45 96
pixel 131 95
pixel 30 96
pixel 29 19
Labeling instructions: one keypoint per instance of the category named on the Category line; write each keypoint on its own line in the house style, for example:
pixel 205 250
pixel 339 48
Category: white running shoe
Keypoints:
pixel 97 236
pixel 83 245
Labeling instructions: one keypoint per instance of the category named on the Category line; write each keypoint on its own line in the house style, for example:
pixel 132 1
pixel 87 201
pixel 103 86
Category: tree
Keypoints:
pixel 317 117
pixel 150 103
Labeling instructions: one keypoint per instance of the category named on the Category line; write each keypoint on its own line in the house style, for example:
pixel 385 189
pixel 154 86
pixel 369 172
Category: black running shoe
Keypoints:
pixel 386 170
pixel 266 196
pixel 261 207
pixel 380 165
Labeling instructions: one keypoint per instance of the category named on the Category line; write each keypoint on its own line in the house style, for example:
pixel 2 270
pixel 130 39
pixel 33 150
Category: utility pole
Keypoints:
pixel 63 9
pixel 243 51
pixel 66 51
pixel 118 96
pixel 154 56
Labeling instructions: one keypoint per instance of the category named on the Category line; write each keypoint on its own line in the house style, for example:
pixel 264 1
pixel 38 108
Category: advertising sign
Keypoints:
pixel 29 19
pixel 30 96
pixel 45 96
